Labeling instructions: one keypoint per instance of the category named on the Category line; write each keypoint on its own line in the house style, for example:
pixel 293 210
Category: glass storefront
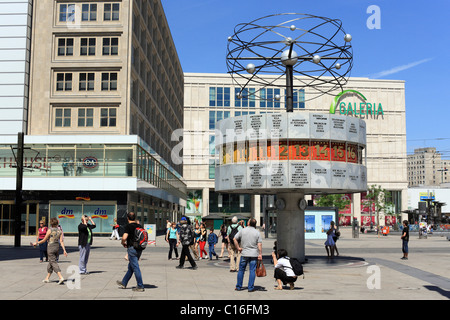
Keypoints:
pixel 92 160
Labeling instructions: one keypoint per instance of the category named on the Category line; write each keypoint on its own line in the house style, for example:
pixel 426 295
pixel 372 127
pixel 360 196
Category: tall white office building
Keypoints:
pixel 15 35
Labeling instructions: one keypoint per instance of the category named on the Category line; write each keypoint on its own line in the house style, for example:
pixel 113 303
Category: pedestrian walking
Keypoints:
pixel 212 240
pixel 53 236
pixel 186 238
pixel 172 240
pixel 232 230
pixel 251 251
pixel 133 254
pixel 405 240
pixel 115 230
pixel 85 237
pixel 283 273
pixel 42 231
pixel 197 233
pixel 168 225
pixel 202 240
pixel 223 234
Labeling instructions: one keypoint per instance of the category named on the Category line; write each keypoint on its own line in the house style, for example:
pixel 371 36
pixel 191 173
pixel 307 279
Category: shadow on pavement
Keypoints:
pixel 443 292
pixel 29 252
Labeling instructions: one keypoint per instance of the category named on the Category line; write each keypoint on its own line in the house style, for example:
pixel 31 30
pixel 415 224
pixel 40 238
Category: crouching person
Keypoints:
pixel 283 274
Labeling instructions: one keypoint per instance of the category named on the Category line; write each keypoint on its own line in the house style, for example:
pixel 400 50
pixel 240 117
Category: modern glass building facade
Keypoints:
pixel 105 94
pixel 213 97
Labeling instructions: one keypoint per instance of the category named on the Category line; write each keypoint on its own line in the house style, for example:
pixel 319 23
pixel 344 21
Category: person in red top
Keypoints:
pixel 42 231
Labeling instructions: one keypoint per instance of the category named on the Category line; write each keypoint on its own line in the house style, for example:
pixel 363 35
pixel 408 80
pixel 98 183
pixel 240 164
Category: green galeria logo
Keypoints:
pixel 340 95
pixel 365 108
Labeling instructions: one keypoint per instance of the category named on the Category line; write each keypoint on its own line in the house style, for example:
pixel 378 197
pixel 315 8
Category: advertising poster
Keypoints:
pixel 194 202
pixel 317 222
pixel 326 222
pixel 151 230
pixel 310 224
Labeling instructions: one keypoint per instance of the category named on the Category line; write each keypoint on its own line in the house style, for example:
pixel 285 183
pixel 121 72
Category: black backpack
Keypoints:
pixel 233 233
pixel 297 267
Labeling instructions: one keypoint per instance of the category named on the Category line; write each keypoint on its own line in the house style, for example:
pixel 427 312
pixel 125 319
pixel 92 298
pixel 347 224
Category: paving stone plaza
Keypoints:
pixel 368 268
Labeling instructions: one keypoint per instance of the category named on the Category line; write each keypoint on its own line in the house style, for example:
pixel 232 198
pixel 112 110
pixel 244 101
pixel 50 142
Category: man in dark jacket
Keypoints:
pixel 85 236
pixel 186 236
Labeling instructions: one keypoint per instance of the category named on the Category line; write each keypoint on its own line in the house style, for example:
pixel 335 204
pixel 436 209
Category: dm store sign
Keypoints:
pixel 69 216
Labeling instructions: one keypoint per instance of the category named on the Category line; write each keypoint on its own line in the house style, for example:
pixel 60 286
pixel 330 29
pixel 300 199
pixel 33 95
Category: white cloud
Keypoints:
pixel 398 69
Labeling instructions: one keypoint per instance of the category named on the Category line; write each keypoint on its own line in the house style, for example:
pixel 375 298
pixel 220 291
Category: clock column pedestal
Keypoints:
pixel 291 224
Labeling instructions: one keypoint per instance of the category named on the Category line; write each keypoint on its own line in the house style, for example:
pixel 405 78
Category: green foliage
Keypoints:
pixel 333 200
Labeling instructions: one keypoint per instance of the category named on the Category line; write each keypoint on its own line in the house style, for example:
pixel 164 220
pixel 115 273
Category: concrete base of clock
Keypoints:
pixel 291 225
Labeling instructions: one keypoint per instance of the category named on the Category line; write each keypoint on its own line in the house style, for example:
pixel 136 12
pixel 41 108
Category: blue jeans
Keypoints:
pixel 405 246
pixel 252 262
pixel 133 267
pixel 84 257
pixel 211 250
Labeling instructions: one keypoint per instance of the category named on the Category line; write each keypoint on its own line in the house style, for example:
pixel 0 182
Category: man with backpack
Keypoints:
pixel 186 238
pixel 232 231
pixel 134 250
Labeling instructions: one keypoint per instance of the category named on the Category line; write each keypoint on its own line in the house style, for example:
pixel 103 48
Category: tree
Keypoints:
pixel 378 200
pixel 338 201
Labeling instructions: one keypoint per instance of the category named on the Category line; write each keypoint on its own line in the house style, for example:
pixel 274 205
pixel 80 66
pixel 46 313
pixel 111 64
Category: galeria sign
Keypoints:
pixel 357 109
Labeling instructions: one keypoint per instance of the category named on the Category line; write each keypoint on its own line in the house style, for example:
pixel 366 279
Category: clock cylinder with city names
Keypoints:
pixel 296 151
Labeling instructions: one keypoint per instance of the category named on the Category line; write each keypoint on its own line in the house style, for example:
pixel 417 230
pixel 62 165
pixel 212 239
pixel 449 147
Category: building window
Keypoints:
pixel 219 97
pixel 299 99
pixel 65 47
pixel 268 98
pixel 64 82
pixel 215 116
pixel 247 98
pixel 212 145
pixel 89 12
pixel 85 117
pixel 66 12
pixel 87 46
pixel 110 46
pixel 62 117
pixel 111 11
pixel 212 168
pixel 108 117
pixel 87 81
pixel 212 120
pixel 109 81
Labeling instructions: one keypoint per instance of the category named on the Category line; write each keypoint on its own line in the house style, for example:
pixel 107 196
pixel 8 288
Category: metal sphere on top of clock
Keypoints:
pixel 311 51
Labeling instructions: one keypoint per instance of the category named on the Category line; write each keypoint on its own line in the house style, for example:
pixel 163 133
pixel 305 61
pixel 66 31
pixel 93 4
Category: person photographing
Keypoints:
pixel 85 237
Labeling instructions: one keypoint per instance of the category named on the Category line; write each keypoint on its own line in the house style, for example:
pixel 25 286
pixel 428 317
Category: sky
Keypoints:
pixel 410 42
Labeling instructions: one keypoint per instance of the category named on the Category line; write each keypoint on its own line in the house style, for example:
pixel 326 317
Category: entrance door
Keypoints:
pixel 6 218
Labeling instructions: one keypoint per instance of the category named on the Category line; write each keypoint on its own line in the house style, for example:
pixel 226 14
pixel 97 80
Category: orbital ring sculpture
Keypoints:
pixel 314 51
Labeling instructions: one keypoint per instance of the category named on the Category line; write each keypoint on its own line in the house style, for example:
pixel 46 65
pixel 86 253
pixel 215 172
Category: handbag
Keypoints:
pixel 260 269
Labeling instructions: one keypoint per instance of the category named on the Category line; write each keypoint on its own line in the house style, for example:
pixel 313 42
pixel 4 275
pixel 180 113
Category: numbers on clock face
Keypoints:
pixel 305 150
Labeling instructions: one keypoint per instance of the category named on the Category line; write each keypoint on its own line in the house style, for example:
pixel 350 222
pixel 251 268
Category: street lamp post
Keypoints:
pixel 18 196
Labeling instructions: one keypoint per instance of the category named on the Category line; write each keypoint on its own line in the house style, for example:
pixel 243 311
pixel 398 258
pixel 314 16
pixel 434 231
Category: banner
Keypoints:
pixel 151 230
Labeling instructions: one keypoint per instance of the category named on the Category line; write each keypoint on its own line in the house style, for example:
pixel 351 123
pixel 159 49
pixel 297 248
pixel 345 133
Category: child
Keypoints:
pixel 212 240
